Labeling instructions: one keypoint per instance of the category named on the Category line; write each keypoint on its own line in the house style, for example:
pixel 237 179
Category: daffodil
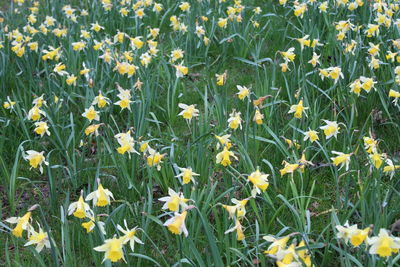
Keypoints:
pixel 224 141
pixel 367 83
pixel 129 235
pixel 49 21
pixel 126 142
pixel 235 121
pixel 374 49
pixel 60 69
pixel 259 181
pixel 154 158
pixel 243 92
pixel 40 239
pixel 384 244
pixel 174 201
pixel 91 114
pixel 84 71
pixel 176 224
pixel 113 249
pixel 188 111
pixel 187 175
pixel 323 7
pixel 92 129
pixel 106 56
pixel 304 41
pixel 154 32
pixel 71 79
pixel 224 156
pixel 221 78
pixel 359 236
pixel 181 70
pixel 356 86
pixel 370 144
pixel 287 257
pixel 41 128
pixel 390 168
pixel 145 59
pixel 300 9
pixel 80 209
pixel 36 159
pixel 372 30
pixel 314 61
pixel 22 224
pixel 258 116
pixel 395 95
pixel 91 224
pixel 277 244
pixel 298 110
pixel 288 55
pixel 78 46
pixel 289 168
pixel 323 73
pixel 238 209
pixel 125 98
pixel 303 253
pixel 341 159
pixel 176 54
pixel 101 197
pixel 374 63
pixel 351 47
pixel 9 104
pixel 239 230
pixel 311 135
pixel 222 22
pixel 144 146
pixel 330 129
pixel 136 43
pixel 185 6
pixel 35 113
pixel 231 209
pixel 335 73
pixel 157 7
pixel 140 13
pixel 376 159
pixel 100 100
pixel 352 233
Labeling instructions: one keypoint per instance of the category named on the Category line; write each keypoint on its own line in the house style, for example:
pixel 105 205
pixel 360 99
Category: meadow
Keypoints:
pixel 199 133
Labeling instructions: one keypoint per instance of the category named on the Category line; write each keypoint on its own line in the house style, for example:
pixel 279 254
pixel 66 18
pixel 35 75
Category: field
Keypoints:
pixel 199 133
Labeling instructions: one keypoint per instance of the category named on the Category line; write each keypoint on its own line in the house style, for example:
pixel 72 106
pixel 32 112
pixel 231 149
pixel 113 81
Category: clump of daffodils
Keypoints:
pixel 236 212
pixel 39 237
pixel 126 142
pixel 295 254
pixel 383 244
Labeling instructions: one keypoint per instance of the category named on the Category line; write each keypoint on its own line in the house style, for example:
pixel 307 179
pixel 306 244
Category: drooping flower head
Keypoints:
pixel 176 224
pixel 101 197
pixel 22 224
pixel 113 249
